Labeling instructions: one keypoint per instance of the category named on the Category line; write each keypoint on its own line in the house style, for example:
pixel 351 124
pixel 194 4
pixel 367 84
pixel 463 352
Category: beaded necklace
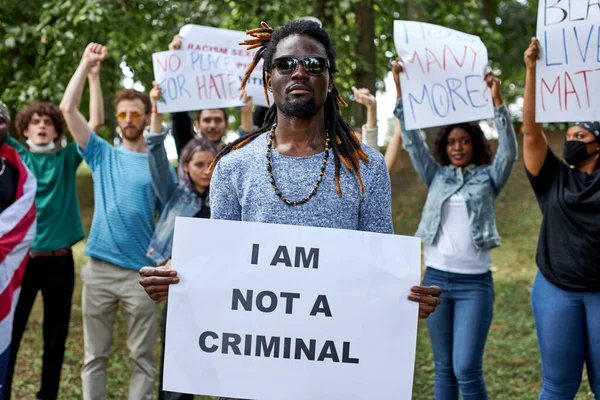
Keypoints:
pixel 270 135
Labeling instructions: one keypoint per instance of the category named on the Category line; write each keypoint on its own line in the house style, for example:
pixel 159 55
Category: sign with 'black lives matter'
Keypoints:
pixel 268 311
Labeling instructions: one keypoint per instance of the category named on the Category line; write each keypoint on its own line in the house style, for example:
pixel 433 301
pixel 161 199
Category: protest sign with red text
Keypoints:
pixel 568 71
pixel 442 82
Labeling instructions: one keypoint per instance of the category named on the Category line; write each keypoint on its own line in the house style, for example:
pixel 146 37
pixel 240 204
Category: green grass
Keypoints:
pixel 511 363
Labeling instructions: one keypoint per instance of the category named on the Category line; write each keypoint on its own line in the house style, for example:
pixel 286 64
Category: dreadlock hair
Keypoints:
pixel 346 147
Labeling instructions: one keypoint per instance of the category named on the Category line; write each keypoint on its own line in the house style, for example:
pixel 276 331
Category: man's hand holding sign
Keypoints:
pixel 156 282
pixel 313 300
pixel 297 305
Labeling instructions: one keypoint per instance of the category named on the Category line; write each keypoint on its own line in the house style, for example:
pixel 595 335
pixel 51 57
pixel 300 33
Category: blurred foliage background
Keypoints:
pixel 42 40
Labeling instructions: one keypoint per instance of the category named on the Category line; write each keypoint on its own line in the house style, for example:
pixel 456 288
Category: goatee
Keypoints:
pixel 132 136
pixel 302 109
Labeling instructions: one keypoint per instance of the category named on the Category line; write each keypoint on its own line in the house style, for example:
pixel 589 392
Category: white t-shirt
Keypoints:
pixel 453 249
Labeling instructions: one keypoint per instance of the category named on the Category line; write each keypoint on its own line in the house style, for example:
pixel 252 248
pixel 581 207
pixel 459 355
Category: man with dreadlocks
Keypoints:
pixel 281 173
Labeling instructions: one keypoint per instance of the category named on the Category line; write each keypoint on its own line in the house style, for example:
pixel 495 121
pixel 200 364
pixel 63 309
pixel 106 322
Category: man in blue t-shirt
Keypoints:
pixel 125 207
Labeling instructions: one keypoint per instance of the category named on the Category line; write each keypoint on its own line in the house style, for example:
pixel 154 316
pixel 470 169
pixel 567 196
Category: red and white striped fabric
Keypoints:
pixel 17 231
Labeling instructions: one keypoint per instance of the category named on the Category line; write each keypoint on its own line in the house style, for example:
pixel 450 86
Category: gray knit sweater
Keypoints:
pixel 240 190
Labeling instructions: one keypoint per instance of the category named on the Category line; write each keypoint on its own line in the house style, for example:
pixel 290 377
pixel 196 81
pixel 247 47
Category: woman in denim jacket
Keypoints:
pixel 186 198
pixel 458 228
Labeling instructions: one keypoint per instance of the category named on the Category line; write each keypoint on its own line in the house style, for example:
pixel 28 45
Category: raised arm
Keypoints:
pixel 181 123
pixel 246 123
pixel 375 213
pixel 535 144
pixel 413 142
pixel 506 154
pixel 96 101
pixel 392 154
pixel 163 181
pixel 156 119
pixel 69 106
pixel 363 96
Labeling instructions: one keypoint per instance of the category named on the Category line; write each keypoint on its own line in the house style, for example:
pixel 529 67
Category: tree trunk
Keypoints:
pixel 487 10
pixel 324 12
pixel 414 9
pixel 365 74
pixel 110 66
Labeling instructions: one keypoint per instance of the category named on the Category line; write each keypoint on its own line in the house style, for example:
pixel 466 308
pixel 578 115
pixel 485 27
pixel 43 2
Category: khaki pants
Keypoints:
pixel 104 286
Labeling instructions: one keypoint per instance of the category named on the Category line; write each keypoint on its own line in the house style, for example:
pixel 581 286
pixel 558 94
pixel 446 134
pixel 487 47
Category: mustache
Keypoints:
pixel 295 86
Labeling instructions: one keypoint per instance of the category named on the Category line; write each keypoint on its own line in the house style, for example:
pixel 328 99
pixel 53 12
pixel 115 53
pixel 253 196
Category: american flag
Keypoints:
pixel 17 231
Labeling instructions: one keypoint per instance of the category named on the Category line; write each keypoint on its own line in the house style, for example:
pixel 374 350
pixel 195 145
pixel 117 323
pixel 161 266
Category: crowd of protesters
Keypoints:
pixel 129 248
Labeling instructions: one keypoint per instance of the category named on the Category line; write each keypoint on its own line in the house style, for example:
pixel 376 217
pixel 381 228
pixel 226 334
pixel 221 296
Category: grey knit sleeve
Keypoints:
pixel 376 205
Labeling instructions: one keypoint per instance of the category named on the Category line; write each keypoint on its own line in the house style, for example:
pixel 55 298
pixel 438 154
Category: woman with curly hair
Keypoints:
pixel 458 228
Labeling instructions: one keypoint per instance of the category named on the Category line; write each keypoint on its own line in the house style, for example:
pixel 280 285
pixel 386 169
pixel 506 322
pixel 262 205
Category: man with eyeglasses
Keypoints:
pixel 125 207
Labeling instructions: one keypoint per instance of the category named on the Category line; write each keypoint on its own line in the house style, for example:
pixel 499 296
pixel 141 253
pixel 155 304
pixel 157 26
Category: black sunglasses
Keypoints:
pixel 313 65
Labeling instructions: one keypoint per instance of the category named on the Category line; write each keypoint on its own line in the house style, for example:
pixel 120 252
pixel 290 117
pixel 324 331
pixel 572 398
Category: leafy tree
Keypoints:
pixel 42 40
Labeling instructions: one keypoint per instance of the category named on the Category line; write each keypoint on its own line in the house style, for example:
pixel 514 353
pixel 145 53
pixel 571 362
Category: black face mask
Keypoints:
pixel 575 152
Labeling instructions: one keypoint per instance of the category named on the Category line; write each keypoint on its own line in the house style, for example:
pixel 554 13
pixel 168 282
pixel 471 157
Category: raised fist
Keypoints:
pixel 175 43
pixel 363 96
pixel 93 55
pixel 155 94
pixel 532 54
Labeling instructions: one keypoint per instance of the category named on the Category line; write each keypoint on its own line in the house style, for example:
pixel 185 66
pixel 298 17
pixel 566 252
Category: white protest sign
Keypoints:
pixel 226 42
pixel 267 311
pixel 192 80
pixel 567 73
pixel 442 82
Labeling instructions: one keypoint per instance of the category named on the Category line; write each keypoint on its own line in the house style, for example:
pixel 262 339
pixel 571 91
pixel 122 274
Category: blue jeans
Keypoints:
pixel 568 330
pixel 458 330
pixel 3 367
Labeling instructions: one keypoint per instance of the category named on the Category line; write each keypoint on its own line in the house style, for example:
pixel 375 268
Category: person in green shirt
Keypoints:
pixel 50 268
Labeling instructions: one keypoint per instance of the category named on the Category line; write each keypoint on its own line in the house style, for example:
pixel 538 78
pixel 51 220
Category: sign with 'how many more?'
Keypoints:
pixel 443 78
